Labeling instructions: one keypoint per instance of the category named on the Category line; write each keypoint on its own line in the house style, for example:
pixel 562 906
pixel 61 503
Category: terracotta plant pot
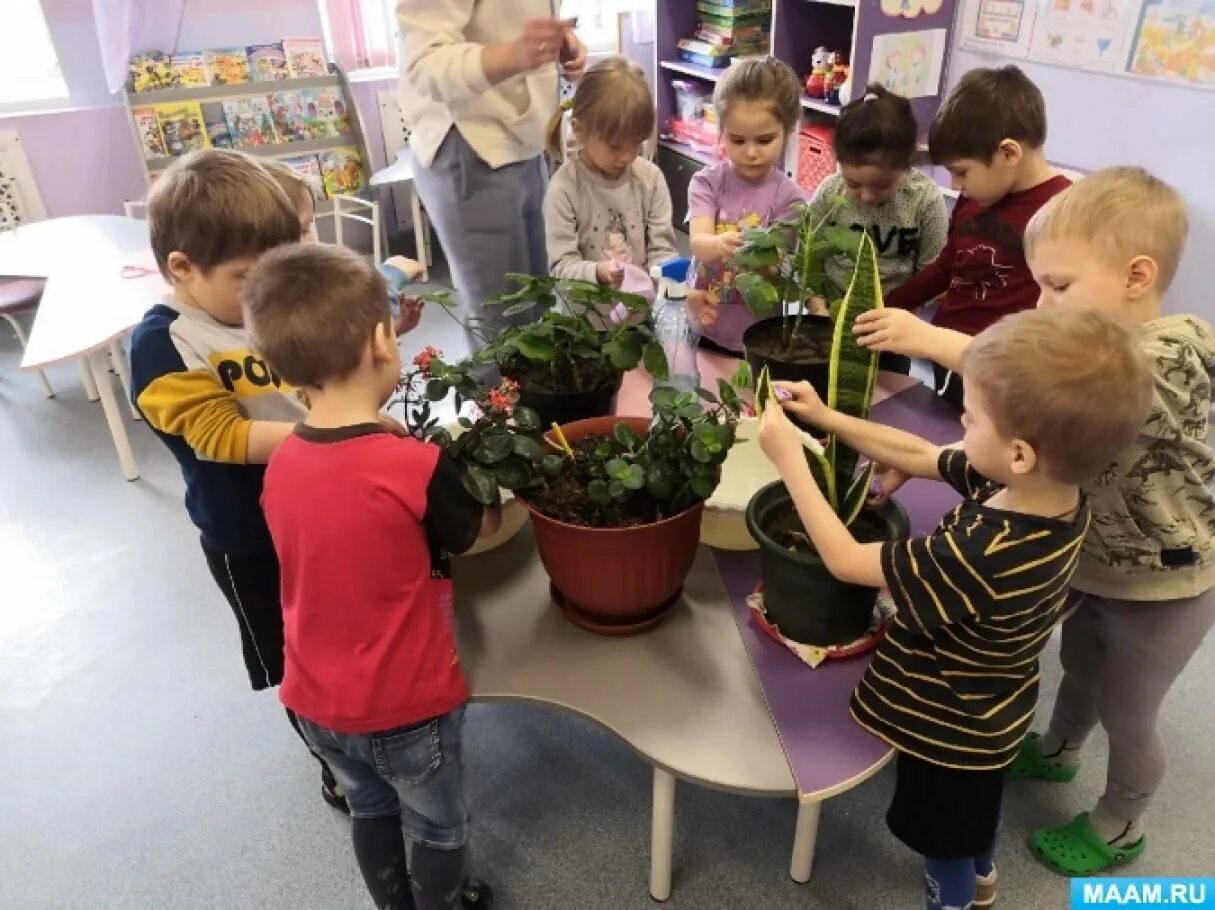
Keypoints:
pixel 801 597
pixel 616 581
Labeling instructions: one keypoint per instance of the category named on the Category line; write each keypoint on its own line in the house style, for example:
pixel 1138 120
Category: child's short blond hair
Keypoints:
pixel 311 309
pixel 297 188
pixel 1072 382
pixel 1123 212
pixel 216 205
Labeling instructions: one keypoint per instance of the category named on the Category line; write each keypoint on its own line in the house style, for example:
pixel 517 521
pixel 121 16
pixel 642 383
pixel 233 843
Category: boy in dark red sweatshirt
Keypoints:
pixel 989 134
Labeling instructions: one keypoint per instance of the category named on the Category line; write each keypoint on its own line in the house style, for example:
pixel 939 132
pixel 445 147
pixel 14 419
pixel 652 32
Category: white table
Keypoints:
pixel 88 305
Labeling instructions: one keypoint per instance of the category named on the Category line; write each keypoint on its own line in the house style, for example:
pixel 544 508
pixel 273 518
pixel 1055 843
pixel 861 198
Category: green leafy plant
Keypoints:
pixel 852 379
pixel 671 467
pixel 501 448
pixel 780 268
pixel 572 346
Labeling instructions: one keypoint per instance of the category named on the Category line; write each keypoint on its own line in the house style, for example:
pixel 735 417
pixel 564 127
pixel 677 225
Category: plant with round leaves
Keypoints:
pixel 501 448
pixel 677 462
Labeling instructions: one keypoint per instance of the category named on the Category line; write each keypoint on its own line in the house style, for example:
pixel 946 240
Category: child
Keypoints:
pixel 371 665
pixel 758 104
pixel 953 685
pixel 398 271
pixel 900 206
pixel 606 207
pixel 1144 584
pixel 209 397
pixel 989 134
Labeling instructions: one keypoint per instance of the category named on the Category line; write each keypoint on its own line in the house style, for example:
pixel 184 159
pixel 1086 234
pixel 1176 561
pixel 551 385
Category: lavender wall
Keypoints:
pixel 84 159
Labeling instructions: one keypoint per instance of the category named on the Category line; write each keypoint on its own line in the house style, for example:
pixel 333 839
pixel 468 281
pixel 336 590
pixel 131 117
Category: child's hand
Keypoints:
pixel 411 267
pixel 704 305
pixel 886 482
pixel 728 244
pixel 609 272
pixel 411 314
pixel 818 307
pixel 779 439
pixel 803 401
pixel 888 329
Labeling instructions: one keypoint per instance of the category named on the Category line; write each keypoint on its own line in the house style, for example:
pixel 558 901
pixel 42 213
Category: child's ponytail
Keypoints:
pixel 554 135
pixel 877 128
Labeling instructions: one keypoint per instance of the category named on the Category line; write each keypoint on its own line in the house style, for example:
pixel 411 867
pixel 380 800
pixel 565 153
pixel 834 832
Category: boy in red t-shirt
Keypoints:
pixel 363 522
pixel 989 134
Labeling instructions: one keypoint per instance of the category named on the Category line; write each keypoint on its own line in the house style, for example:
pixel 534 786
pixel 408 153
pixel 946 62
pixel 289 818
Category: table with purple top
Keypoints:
pixel 704 697
pixel 828 753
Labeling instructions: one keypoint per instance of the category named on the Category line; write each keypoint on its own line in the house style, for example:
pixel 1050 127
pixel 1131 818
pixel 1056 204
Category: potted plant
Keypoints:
pixel 569 362
pixel 500 446
pixel 779 270
pixel 618 528
pixel 801 597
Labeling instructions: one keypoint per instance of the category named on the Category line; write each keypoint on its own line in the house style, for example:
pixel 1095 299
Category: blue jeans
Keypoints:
pixel 411 771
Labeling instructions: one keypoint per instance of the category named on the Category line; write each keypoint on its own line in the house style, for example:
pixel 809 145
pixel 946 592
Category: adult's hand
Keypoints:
pixel 573 56
pixel 540 44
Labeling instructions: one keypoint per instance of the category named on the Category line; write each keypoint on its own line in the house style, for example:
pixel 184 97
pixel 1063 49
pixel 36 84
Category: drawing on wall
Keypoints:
pixel 1091 34
pixel 1003 26
pixel 1176 42
pixel 909 9
pixel 909 63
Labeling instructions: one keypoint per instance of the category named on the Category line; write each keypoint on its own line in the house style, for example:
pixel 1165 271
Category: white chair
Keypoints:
pixel 19 296
pixel 363 211
pixel 396 140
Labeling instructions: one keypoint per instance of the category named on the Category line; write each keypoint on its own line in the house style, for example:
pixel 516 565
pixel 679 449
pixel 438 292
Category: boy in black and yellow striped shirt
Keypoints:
pixel 1055 394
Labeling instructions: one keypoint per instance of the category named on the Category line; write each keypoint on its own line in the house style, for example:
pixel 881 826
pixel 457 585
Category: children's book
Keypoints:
pixel 305 57
pixel 308 167
pixel 190 69
pixel 267 62
pixel 319 117
pixel 287 112
pixel 150 136
pixel 250 123
pixel 182 126
pixel 217 133
pixel 150 72
pixel 342 171
pixel 228 66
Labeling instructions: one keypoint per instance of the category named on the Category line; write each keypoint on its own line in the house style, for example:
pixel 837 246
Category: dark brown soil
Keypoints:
pixel 565 498
pixel 811 344
pixel 582 376
pixel 788 531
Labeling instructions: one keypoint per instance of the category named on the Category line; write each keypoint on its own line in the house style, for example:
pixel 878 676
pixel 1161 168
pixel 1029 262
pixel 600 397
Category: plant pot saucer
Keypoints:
pixel 813 655
pixel 609 625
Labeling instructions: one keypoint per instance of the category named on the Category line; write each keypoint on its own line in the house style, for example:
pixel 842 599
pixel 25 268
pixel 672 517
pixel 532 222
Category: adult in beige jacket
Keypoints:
pixel 479 83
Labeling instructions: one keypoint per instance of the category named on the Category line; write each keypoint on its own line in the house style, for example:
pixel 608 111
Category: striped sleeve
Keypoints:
pixel 956 471
pixel 930 580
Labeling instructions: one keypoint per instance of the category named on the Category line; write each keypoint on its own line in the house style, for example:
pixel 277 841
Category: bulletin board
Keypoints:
pixel 1164 40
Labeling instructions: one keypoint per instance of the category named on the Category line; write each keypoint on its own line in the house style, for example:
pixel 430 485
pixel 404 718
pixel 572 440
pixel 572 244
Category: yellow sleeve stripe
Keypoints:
pixel 195 406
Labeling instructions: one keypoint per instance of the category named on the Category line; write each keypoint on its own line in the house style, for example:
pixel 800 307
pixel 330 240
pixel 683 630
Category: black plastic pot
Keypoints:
pixel 816 373
pixel 566 407
pixel 801 597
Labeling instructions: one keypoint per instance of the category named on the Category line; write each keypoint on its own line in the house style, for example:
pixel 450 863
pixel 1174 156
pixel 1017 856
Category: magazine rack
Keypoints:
pixel 211 97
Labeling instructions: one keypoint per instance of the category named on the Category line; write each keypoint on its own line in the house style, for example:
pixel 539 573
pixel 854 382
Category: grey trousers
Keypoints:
pixel 1120 658
pixel 490 221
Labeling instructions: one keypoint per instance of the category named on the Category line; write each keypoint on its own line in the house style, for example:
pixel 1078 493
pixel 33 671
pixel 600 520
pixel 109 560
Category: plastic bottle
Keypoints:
pixel 674 325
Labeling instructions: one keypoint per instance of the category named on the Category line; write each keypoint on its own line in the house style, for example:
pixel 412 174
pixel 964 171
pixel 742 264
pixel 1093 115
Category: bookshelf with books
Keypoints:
pixel 284 102
pixel 901 43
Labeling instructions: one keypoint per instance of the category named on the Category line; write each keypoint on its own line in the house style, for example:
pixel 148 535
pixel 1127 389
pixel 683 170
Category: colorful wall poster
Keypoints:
pixel 1176 42
pixel 1090 34
pixel 909 63
pixel 1000 26
pixel 909 9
